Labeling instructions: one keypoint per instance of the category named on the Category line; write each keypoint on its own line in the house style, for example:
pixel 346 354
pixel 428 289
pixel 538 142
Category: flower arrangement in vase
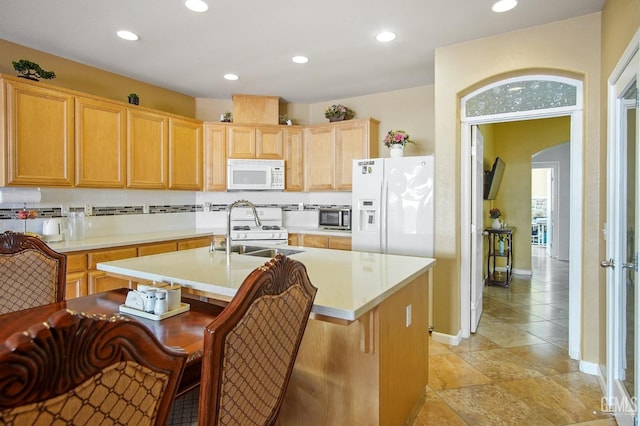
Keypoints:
pixel 338 113
pixel 396 140
pixel 495 214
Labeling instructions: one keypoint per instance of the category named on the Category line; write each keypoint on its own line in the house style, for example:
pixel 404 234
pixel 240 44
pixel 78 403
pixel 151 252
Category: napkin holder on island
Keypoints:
pixel 134 305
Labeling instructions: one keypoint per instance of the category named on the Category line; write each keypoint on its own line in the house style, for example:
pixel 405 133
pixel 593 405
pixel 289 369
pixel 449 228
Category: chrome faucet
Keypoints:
pixel 231 206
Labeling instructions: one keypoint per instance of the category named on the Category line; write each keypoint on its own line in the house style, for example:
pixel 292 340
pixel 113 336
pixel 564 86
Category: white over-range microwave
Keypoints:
pixel 255 175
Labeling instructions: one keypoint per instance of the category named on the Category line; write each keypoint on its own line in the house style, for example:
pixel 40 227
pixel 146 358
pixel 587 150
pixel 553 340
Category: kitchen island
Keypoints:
pixel 363 358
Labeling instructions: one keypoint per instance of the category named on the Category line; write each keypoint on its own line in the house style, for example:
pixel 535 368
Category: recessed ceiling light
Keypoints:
pixel 231 77
pixel 127 35
pixel 385 36
pixel 196 5
pixel 504 5
pixel 300 59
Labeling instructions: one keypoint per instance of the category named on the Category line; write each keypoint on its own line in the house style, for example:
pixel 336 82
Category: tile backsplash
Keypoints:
pixel 128 211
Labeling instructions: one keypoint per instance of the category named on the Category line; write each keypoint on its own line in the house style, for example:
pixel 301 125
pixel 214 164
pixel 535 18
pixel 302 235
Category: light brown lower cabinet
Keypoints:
pixel 320 241
pixel 340 243
pixel 76 285
pixel 76 275
pixel 99 281
pixel 83 278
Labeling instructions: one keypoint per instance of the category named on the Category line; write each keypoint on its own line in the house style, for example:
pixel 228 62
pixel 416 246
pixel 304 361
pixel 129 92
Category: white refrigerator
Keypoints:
pixel 392 205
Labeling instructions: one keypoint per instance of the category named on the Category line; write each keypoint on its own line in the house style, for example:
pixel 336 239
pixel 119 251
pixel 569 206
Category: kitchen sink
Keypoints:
pixel 260 251
pixel 272 252
pixel 241 248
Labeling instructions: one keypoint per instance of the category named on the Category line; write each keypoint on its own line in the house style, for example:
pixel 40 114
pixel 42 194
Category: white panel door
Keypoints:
pixel 477 237
pixel 623 217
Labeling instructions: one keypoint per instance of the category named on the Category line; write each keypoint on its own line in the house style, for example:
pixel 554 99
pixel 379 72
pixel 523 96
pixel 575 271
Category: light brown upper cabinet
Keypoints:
pixel 294 158
pixel 329 151
pixel 39 130
pixel 215 159
pixel 264 142
pixel 319 158
pixel 254 109
pixel 146 149
pixel 101 140
pixel 185 154
pixel 61 137
pixel 354 139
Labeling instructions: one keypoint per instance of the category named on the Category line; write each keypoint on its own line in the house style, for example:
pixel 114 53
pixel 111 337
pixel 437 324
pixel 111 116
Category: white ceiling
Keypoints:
pixel 189 52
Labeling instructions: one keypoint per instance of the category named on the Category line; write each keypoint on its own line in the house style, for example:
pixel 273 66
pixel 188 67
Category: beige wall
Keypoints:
pixel 408 109
pixel 570 48
pixel 620 22
pixel 77 76
pixel 411 110
pixel 515 142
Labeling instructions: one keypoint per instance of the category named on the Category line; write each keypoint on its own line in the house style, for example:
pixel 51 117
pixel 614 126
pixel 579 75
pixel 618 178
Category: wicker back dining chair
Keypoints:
pixel 250 349
pixel 31 273
pixel 81 369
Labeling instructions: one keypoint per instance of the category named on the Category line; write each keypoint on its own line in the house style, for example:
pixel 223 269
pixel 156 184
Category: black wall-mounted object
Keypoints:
pixel 492 179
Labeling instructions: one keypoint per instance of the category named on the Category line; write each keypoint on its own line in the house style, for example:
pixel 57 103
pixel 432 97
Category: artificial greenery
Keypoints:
pixel 31 70
pixel 133 99
pixel 227 117
pixel 339 111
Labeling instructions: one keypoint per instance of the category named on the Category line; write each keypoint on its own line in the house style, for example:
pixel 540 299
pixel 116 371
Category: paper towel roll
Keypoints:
pixel 19 196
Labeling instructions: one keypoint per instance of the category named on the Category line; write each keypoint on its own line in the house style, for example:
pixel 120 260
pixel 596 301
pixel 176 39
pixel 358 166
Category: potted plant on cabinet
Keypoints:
pixel 338 113
pixel 133 99
pixel 31 70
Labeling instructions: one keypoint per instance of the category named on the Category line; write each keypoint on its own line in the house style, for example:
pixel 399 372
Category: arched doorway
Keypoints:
pixel 514 99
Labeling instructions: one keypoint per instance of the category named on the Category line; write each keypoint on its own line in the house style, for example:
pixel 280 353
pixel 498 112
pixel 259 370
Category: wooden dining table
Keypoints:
pixel 183 331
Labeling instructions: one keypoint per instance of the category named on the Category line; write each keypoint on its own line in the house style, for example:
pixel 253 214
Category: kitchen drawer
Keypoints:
pixel 77 262
pixel 113 254
pixel 194 243
pixel 157 248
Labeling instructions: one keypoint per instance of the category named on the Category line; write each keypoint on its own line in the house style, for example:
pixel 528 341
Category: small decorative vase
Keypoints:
pixel 133 99
pixel 396 150
pixel 336 118
pixel 496 224
pixel 501 247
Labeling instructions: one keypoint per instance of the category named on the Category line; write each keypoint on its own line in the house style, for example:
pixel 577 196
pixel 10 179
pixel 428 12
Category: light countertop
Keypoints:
pixel 130 239
pixel 116 240
pixel 349 283
pixel 317 231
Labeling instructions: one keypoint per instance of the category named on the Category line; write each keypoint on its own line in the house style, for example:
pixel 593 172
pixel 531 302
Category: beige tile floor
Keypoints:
pixel 515 369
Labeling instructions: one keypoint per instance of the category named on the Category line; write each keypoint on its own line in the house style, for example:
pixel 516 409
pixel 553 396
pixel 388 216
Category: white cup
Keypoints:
pixel 174 295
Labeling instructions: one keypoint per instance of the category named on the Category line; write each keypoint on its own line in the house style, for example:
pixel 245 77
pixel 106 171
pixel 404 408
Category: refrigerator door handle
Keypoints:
pixel 383 216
